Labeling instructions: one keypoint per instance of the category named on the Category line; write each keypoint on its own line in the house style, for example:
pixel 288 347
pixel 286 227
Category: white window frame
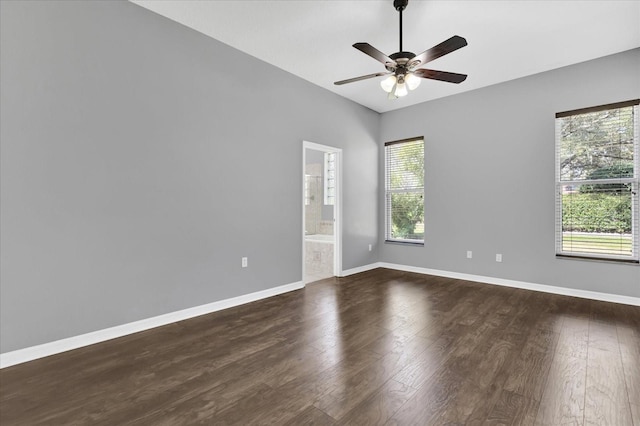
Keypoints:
pixel 634 181
pixel 389 192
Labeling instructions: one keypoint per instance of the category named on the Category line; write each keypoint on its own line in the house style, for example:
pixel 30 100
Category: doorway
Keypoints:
pixel 321 231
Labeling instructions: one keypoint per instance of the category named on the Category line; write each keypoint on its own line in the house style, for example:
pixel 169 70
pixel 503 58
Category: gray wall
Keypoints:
pixel 489 183
pixel 141 160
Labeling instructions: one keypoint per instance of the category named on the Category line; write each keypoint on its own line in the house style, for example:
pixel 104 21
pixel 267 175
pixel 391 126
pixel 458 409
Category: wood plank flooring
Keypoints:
pixel 378 348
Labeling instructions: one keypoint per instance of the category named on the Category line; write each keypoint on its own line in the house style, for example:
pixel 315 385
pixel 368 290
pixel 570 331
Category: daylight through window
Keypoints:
pixel 597 167
pixel 404 191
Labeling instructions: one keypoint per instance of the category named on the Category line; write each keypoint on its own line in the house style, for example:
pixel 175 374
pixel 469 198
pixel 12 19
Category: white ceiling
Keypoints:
pixel 507 39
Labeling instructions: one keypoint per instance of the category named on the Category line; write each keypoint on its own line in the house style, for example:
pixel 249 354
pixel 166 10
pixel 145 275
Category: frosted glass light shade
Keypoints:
pixel 401 90
pixel 412 80
pixel 388 83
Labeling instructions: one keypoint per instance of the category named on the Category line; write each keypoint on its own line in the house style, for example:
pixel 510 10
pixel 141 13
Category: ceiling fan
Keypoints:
pixel 402 67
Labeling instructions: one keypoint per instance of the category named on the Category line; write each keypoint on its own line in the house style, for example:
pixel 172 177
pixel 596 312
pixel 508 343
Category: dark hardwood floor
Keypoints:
pixel 381 347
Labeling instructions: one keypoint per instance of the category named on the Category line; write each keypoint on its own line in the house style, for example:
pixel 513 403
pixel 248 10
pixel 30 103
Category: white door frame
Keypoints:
pixel 337 225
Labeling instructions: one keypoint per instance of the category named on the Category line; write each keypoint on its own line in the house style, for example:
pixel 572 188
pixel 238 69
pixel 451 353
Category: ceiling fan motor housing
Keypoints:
pixel 403 62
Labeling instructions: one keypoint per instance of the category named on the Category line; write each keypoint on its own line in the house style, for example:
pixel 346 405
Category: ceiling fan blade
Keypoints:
pixel 444 48
pixel 363 77
pixel 450 77
pixel 375 54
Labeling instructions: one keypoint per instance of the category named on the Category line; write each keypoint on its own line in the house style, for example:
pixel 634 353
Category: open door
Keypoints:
pixel 321 212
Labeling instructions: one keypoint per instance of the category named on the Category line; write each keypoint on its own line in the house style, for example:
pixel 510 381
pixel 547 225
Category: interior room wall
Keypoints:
pixel 141 160
pixel 489 178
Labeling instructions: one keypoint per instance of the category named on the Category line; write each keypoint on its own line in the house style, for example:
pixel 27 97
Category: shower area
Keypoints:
pixel 319 203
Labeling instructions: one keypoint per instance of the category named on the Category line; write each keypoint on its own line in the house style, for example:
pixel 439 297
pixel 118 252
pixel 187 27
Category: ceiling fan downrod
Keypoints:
pixel 400 5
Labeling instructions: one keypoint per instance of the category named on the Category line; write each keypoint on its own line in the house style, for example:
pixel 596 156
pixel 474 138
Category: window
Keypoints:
pixel 404 191
pixel 597 171
pixel 329 178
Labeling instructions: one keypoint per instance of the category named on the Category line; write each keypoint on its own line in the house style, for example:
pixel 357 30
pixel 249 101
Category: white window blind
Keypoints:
pixel 597 177
pixel 404 191
pixel 329 178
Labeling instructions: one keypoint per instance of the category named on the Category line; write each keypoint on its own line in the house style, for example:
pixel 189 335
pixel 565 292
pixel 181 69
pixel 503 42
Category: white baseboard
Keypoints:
pixel 585 294
pixel 359 269
pixel 40 351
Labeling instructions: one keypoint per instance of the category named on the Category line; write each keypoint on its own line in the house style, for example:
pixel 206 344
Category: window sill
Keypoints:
pixel 598 259
pixel 405 243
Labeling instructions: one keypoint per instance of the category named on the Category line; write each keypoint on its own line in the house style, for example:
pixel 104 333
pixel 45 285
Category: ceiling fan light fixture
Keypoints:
pixel 401 90
pixel 402 64
pixel 388 83
pixel 412 81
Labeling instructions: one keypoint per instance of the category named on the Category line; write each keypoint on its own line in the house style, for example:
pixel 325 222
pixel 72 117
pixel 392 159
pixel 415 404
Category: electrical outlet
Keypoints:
pixel 369 247
pixel 469 254
pixel 498 257
pixel 245 262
